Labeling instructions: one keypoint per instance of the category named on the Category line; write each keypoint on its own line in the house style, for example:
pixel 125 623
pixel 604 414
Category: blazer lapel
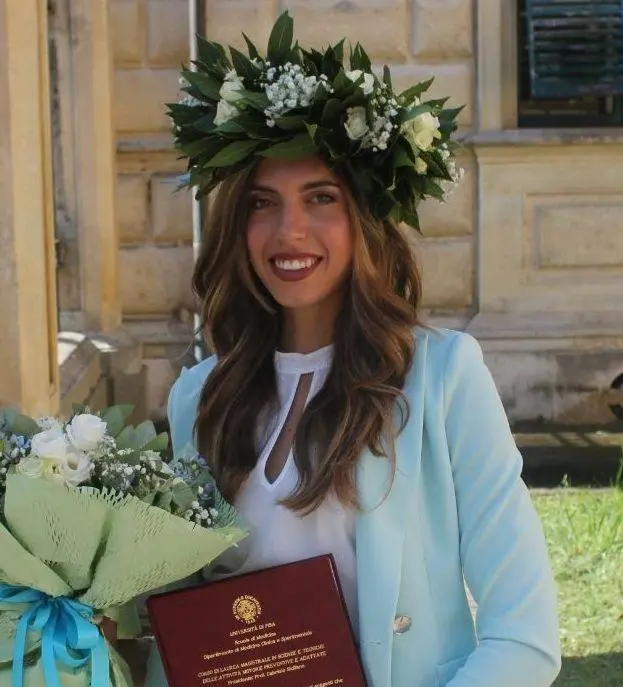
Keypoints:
pixel 381 528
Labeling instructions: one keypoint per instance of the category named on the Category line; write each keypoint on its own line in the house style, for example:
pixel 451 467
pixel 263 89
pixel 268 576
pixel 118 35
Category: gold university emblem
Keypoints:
pixel 246 609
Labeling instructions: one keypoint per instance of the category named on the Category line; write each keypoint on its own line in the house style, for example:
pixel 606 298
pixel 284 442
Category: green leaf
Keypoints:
pixel 253 52
pixel 213 55
pixel 144 433
pixel 434 190
pixel 114 419
pixel 359 59
pixel 416 112
pixel 158 444
pixel 229 127
pixel 411 218
pixel 436 167
pixel 298 147
pixel 126 439
pixel 280 40
pixel 205 124
pixel 437 105
pixel 208 85
pixel 387 77
pixel 291 123
pixel 233 153
pixel 415 91
pixel 243 66
pixel 182 495
pixel 24 426
pixel 402 158
pixel 450 114
pixel 332 113
pixel 203 148
pixel 257 101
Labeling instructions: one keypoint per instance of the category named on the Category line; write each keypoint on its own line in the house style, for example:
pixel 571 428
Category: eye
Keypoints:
pixel 259 203
pixel 322 198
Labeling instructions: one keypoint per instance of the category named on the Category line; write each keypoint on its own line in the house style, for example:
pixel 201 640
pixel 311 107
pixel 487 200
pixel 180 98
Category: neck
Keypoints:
pixel 306 330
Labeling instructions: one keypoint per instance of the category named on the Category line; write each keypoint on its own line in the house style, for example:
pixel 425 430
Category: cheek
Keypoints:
pixel 340 245
pixel 256 242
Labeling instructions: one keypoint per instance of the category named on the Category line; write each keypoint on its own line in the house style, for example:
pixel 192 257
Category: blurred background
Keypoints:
pixel 96 251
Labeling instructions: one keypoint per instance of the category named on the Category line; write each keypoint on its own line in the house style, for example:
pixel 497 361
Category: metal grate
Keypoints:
pixel 575 47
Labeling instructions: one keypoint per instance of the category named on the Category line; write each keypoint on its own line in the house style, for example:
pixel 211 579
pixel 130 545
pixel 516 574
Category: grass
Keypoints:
pixel 584 530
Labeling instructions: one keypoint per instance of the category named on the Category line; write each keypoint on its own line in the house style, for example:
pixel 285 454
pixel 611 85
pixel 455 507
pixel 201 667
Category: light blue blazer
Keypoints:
pixel 458 513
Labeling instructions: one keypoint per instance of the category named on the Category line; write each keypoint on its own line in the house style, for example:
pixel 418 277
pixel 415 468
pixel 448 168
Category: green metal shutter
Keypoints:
pixel 575 47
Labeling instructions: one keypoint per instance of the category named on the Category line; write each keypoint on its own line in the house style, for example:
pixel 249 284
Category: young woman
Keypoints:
pixel 338 423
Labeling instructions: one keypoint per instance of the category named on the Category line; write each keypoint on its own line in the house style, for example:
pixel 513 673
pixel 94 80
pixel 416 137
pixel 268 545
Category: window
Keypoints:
pixel 570 63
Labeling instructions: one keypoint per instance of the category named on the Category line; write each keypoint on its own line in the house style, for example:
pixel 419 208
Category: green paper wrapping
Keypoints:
pixel 100 548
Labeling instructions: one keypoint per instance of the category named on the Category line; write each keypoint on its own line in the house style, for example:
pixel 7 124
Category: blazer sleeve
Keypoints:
pixel 502 547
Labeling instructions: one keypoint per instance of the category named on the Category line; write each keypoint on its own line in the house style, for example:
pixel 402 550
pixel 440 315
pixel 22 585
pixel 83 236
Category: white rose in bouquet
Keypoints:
pixel 86 432
pixel 224 112
pixel 232 88
pixel 51 444
pixel 367 86
pixel 356 124
pixel 421 131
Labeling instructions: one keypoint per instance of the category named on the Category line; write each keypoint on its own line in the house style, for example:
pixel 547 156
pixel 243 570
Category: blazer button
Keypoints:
pixel 402 624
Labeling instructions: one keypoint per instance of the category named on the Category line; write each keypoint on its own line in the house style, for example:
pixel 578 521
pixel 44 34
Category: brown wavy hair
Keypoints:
pixel 374 348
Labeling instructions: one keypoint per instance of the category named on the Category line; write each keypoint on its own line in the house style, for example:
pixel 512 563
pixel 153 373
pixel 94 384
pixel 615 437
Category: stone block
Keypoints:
pixel 448 273
pixel 442 28
pixel 566 234
pixel 226 20
pixel 171 210
pixel 454 80
pixel 127 32
pixel 132 208
pixel 168 36
pixel 155 280
pixel 140 97
pixel 161 374
pixel 457 215
pixel 380 25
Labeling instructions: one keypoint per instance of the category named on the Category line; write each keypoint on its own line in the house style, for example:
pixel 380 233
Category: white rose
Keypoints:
pixel 76 469
pixel 52 444
pixel 421 131
pixel 231 90
pixel 356 125
pixel 224 112
pixel 368 80
pixel 420 166
pixel 86 432
pixel 30 466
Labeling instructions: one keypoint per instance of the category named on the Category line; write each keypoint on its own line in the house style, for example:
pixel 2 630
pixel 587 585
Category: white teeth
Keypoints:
pixel 294 265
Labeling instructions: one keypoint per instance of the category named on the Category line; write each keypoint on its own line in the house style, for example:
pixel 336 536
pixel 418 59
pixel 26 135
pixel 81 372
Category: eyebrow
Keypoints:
pixel 310 185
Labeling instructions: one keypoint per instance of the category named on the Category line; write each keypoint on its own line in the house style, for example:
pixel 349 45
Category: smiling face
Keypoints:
pixel 299 236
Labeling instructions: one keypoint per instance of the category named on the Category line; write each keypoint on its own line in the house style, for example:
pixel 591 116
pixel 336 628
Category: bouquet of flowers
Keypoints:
pixel 91 516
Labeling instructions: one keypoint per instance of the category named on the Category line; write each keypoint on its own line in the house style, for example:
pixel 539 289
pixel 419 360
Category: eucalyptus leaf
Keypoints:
pixel 113 417
pixel 144 433
pixel 258 101
pixel 233 153
pixel 159 443
pixel 280 40
pixel 24 426
pixel 298 147
pixel 127 439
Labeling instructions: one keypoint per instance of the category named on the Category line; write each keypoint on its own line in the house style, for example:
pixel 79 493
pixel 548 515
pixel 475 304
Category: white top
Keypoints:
pixel 277 534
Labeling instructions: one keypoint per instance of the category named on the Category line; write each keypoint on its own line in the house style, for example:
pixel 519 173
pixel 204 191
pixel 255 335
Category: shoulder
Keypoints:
pixel 446 351
pixel 184 399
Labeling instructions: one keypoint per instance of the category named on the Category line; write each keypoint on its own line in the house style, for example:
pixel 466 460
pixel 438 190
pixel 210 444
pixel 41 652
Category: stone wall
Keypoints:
pixel 526 254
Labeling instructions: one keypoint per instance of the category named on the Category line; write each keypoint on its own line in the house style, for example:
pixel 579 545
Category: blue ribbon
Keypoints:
pixel 68 635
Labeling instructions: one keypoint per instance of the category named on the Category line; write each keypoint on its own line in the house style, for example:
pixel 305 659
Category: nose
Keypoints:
pixel 293 221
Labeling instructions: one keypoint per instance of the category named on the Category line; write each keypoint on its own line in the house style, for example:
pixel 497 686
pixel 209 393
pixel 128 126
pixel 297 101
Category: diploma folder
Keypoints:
pixel 285 626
